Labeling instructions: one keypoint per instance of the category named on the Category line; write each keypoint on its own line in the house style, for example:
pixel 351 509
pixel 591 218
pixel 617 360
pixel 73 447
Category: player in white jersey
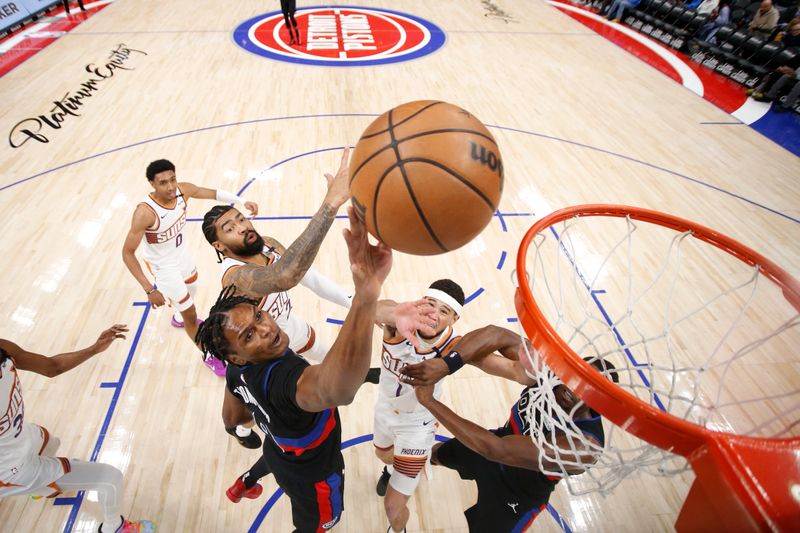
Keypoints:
pixel 158 225
pixel 239 244
pixel 250 263
pixel 404 430
pixel 27 463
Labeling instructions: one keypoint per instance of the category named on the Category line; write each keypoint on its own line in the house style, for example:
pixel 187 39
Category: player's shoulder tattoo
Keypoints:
pixel 255 281
pixel 273 243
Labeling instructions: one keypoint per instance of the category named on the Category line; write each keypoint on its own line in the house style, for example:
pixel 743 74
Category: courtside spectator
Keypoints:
pixel 791 37
pixel 783 80
pixel 707 7
pixel 618 7
pixel 765 20
pixel 717 19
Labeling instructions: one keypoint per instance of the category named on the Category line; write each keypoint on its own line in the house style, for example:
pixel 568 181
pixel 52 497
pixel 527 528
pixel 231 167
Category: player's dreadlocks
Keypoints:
pixel 211 333
pixel 209 230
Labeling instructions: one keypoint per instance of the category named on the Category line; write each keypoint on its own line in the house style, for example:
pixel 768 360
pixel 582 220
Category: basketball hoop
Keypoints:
pixel 704 339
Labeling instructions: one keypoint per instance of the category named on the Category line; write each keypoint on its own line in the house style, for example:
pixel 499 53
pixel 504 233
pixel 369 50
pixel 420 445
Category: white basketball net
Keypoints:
pixel 690 329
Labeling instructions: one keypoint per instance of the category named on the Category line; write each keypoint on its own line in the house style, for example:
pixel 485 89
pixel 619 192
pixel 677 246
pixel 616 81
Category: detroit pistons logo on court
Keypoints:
pixel 341 36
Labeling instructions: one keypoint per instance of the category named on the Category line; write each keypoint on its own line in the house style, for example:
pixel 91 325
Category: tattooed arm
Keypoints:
pixel 256 281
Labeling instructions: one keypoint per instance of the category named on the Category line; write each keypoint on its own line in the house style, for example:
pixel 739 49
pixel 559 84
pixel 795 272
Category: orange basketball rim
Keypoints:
pixel 742 483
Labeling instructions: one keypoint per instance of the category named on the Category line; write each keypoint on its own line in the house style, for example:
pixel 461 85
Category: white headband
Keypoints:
pixel 445 299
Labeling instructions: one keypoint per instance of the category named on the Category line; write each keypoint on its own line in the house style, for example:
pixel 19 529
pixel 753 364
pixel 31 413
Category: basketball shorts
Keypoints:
pixel 172 277
pixel 499 508
pixel 35 475
pixel 412 436
pixel 316 506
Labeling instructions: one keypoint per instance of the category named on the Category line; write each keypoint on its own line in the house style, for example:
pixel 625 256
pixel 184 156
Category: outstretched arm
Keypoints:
pixel 60 363
pixel 325 288
pixel 256 281
pixel 337 379
pixel 472 348
pixel 190 190
pixel 406 319
pixel 512 450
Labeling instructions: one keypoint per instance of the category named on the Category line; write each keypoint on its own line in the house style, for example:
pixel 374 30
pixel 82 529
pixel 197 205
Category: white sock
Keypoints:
pixel 178 317
pixel 242 431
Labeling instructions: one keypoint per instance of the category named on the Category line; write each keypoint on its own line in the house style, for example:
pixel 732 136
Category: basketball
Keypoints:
pixel 426 177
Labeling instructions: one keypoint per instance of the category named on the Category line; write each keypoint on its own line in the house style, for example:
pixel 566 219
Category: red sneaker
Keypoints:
pixel 238 490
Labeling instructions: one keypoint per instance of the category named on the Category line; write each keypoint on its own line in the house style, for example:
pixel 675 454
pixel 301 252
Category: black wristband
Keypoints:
pixel 453 361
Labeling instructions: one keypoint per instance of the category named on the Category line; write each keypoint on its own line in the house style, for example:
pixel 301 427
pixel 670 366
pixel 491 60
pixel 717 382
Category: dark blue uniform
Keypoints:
pixel 301 449
pixel 509 498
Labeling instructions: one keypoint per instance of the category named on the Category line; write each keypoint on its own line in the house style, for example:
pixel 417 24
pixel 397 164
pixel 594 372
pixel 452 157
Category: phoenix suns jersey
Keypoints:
pixel 278 305
pixel 399 352
pixel 163 241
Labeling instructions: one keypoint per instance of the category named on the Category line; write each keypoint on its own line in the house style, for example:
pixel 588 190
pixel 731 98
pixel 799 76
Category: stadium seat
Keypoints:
pixel 700 49
pixel 789 57
pixel 696 23
pixel 749 48
pixel 750 10
pixel 758 64
pixel 731 44
pixel 664 21
pixel 684 19
pixel 787 14
pixel 737 16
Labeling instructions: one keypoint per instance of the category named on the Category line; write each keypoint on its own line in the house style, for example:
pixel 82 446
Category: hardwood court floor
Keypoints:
pixel 578 121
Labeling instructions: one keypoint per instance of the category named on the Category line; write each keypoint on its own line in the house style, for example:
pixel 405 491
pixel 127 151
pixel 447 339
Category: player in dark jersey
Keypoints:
pixel 504 462
pixel 294 403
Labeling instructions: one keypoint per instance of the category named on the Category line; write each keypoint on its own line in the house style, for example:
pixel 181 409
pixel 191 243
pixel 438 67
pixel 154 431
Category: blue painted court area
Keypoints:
pixel 783 128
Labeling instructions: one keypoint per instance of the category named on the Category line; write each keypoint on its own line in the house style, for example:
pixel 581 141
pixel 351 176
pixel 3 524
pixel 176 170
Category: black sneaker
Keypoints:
pixel 251 441
pixel 373 375
pixel 383 482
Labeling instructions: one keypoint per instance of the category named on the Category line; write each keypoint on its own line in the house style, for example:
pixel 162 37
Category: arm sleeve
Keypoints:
pixel 326 288
pixel 229 197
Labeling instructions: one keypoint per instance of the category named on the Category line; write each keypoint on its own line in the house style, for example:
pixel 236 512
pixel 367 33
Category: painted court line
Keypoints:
pixel 262 514
pixel 335 115
pixel 77 500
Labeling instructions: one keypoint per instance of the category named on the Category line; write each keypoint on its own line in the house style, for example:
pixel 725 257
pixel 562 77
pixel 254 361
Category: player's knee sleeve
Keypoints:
pixel 405 477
